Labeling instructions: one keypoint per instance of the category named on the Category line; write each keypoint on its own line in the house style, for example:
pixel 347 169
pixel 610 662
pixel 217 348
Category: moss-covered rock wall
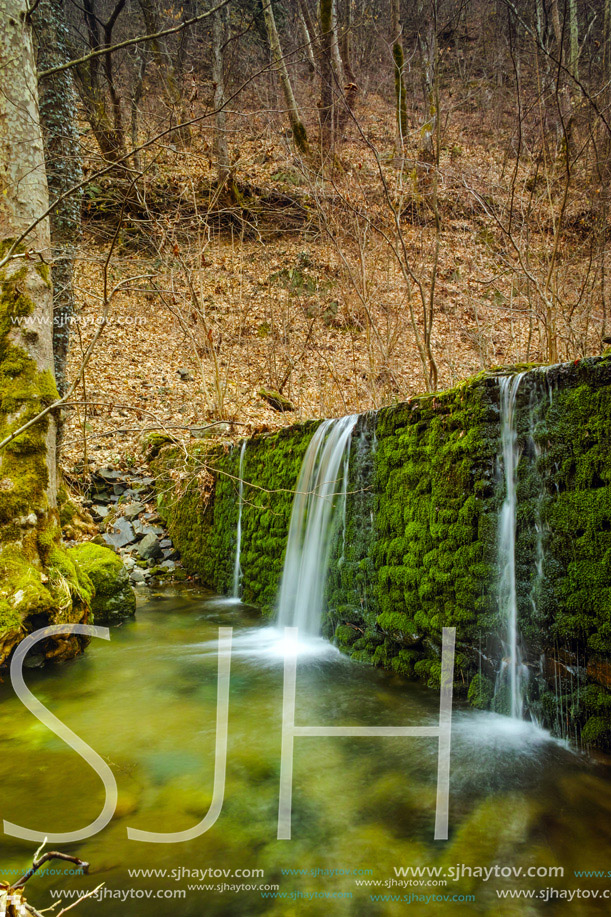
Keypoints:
pixel 416 549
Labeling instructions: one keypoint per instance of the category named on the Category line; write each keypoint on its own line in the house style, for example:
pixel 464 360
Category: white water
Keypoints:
pixel 512 669
pixel 320 496
pixel 237 570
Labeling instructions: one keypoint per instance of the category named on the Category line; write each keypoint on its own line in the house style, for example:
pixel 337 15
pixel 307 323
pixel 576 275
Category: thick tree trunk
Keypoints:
pixel 39 581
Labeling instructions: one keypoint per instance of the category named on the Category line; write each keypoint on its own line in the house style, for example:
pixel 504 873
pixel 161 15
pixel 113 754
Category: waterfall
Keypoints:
pixel 511 667
pixel 237 570
pixel 318 507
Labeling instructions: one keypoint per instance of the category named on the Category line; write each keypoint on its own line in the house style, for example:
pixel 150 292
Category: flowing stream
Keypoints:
pixel 237 570
pixel 146 702
pixel 318 507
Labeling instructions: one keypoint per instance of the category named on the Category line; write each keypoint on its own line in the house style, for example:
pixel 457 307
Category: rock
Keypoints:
pixel 129 562
pixel 171 554
pixel 132 510
pixel 101 540
pixel 137 577
pixel 99 512
pixel 149 547
pixel 109 474
pixel 141 529
pixel 33 661
pixel 276 400
pixel 114 598
pixel 168 565
pixel 119 489
pixel 120 533
pixel 165 543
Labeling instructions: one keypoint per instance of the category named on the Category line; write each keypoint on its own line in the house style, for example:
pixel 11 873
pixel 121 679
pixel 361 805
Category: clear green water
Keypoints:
pixel 146 702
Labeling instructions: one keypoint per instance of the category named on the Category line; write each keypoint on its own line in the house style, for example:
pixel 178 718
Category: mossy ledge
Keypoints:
pixel 419 550
pixel 41 582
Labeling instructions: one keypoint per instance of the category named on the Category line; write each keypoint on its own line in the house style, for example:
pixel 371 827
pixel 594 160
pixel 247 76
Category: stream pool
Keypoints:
pixel 363 808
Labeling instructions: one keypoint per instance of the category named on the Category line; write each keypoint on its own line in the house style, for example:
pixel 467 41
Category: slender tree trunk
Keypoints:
pixel 325 16
pixel 167 71
pixel 573 39
pixel 299 131
pixel 563 90
pixel 63 165
pixel 398 60
pixel 427 40
pixel 307 39
pixel 137 91
pixel 221 150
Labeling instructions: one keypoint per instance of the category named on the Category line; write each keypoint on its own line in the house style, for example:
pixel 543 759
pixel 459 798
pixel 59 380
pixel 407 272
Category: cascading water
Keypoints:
pixel 318 504
pixel 237 570
pixel 512 670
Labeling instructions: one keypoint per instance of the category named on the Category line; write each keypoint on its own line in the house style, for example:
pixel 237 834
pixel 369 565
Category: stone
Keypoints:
pixel 98 511
pixel 276 400
pixel 132 510
pixel 137 577
pixel 166 543
pixel 149 547
pixel 168 565
pixel 120 533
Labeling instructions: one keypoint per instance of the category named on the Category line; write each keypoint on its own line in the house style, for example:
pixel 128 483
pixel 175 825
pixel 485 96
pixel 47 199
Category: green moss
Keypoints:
pixel 113 598
pixel 419 547
pixel 481 692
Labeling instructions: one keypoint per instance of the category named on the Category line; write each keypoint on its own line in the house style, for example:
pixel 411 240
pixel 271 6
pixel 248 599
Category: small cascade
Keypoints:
pixel 237 570
pixel 512 670
pixel 318 509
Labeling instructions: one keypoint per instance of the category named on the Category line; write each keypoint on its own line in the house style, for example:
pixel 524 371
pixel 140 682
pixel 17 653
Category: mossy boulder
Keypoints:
pixel 113 597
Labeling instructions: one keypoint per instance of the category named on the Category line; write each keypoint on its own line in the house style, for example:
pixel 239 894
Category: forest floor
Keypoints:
pixel 303 287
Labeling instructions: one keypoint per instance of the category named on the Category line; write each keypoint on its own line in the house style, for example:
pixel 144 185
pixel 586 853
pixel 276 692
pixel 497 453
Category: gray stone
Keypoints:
pixel 171 554
pixel 149 548
pixel 119 533
pixel 98 511
pixel 137 577
pixel 166 543
pixel 133 509
pixel 168 565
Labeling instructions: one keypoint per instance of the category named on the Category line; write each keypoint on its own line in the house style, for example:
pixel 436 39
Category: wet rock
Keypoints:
pixel 149 548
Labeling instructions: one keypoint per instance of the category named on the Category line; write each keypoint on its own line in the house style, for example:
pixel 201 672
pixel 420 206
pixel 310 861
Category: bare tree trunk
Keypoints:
pixel 325 16
pixel 307 38
pixel 167 71
pixel 299 132
pixel 573 39
pixel 137 91
pixel 63 165
pixel 221 150
pixel 427 40
pixel 563 90
pixel 398 59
